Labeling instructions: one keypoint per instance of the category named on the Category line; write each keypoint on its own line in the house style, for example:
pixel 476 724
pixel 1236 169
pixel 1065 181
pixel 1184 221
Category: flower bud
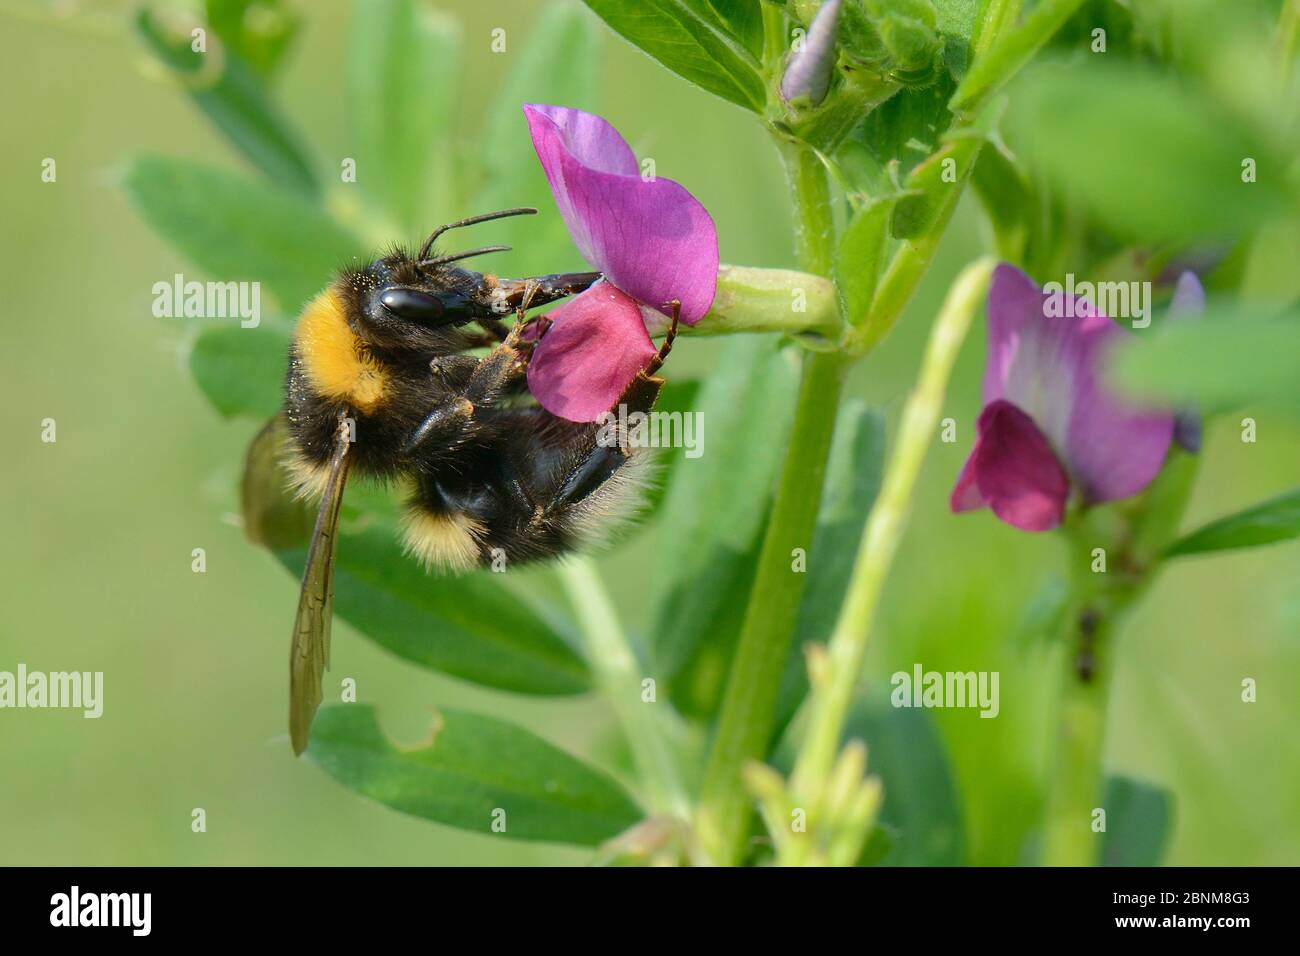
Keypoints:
pixel 808 74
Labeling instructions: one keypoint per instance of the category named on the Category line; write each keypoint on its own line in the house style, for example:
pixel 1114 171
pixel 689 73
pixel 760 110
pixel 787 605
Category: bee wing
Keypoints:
pixel 274 516
pixel 309 654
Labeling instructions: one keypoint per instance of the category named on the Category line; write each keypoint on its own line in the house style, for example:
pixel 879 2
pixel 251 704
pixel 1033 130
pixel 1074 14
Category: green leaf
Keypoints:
pixel 403 73
pixel 956 23
pixel 1277 519
pixel 906 129
pixel 559 66
pixel 1218 361
pixel 1009 54
pixel 1006 197
pixel 259 31
pixel 472 768
pixel 1139 818
pixel 861 257
pixel 931 186
pixel 469 626
pixel 1149 156
pixel 241 371
pixel 687 37
pixel 712 520
pixel 852 482
pixel 743 19
pixel 237 229
pixel 232 96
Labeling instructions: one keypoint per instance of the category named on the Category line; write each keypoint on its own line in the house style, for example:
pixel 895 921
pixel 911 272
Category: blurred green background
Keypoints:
pixel 99 527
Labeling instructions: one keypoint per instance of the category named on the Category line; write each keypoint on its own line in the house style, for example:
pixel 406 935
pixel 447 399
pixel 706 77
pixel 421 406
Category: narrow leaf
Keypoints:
pixel 259 31
pixel 861 257
pixel 232 96
pixel 691 44
pixel 1277 519
pixel 1006 197
pixel 742 19
pixel 403 72
pixel 241 371
pixel 474 772
pixel 559 66
pixel 1139 819
pixel 1009 54
pixel 469 626
pixel 1218 361
pixel 237 229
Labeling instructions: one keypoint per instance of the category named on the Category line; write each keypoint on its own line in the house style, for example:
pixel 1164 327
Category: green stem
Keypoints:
pixel 835 674
pixel 814 223
pixel 619 678
pixel 1075 787
pixel 749 706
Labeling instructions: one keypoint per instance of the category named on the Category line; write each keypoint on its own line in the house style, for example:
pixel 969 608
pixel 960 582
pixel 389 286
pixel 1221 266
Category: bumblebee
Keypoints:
pixel 388 379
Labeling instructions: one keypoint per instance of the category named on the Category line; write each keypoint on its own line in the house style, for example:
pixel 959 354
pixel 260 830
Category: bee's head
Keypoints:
pixel 405 299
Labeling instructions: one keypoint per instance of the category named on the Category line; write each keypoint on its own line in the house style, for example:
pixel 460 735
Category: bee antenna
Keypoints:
pixel 455 256
pixel 473 220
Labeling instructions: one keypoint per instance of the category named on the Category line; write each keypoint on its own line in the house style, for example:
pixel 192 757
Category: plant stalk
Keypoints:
pixel 1075 787
pixel 619 679
pixel 836 673
pixel 749 705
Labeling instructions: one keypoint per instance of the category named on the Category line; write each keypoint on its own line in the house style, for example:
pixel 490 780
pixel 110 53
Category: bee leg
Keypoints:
pixel 592 472
pixel 453 419
pixel 496 330
pixel 451 371
pixel 657 362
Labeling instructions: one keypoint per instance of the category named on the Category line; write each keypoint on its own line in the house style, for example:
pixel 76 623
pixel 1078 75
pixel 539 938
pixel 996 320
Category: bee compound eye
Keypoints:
pixel 412 304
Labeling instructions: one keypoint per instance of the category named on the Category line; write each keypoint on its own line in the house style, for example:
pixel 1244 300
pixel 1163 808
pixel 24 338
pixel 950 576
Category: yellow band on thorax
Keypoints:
pixel 333 357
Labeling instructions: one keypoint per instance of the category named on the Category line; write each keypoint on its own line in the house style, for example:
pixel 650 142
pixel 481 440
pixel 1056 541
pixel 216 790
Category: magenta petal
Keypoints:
pixel 1113 449
pixel 589 355
pixel 1044 357
pixel 1015 305
pixel 1013 469
pixel 966 493
pixel 650 237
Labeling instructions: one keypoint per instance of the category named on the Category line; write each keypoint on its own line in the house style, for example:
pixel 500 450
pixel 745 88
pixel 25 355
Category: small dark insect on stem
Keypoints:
pixel 1085 661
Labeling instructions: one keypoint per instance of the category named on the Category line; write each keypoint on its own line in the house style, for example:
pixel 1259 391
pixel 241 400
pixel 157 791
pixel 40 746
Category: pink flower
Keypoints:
pixel 1048 423
pixel 650 238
